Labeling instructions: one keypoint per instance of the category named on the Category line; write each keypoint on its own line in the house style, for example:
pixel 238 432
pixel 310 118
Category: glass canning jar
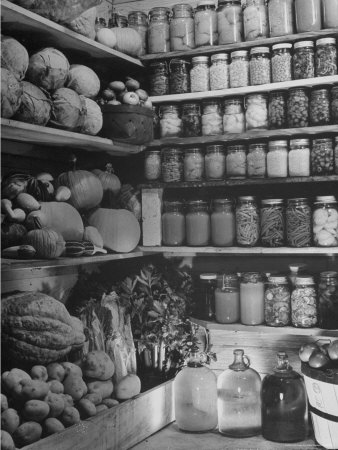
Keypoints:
pixel 193 164
pixel 182 32
pixel 328 300
pixel 256 22
pixel 206 300
pixel 158 30
pixel 247 221
pixel 298 108
pixel 281 17
pixel 199 74
pixel 336 155
pixel 281 63
pixel 170 121
pixel 138 20
pixel 172 164
pixel 319 107
pixel 322 160
pixel 212 121
pixel 197 221
pixel 308 15
pixel 298 223
pixel 152 165
pixel 256 111
pixel 277 159
pixel 326 56
pixel 239 69
pixel 330 13
pixel 230 22
pixel 304 303
pixel 260 66
pixel 214 162
pixel 222 223
pixel 272 220
pixel 325 221
pixel 191 119
pixel 179 80
pixel 159 78
pixel 303 60
pixel 227 299
pixel 299 158
pixel 334 105
pixel 117 21
pixel 173 223
pixel 277 306
pixel 156 122
pixel 252 298
pixel 277 110
pixel 233 118
pixel 219 71
pixel 256 160
pixel 205 23
pixel 100 22
pixel 236 161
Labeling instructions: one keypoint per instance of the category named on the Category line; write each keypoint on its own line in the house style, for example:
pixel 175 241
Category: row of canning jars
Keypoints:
pixel 298 107
pixel 298 224
pixel 254 299
pixel 182 28
pixel 307 60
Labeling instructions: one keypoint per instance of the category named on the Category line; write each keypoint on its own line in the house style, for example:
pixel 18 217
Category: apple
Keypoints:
pixel 333 350
pixel 131 84
pixel 142 94
pixel 108 94
pixel 117 86
pixel 318 360
pixel 306 351
pixel 131 98
pixel 113 102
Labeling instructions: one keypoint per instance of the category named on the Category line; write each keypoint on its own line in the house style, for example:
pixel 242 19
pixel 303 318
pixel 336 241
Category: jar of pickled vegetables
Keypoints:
pixel 272 223
pixel 236 161
pixel 304 312
pixel 322 159
pixel 325 221
pixel 170 121
pixel 334 105
pixel 298 108
pixel 233 118
pixel 256 111
pixel 256 22
pixel 247 221
pixel 281 63
pixel 239 69
pixel 308 15
pixel 227 299
pixel 277 110
pixel 281 17
pixel 328 300
pixel 326 57
pixel 256 160
pixel 159 78
pixel 252 298
pixel 182 28
pixel 212 120
pixel 173 223
pixel 219 71
pixel 199 74
pixel 298 223
pixel 158 30
pixel 319 107
pixel 152 165
pixel 277 159
pixel 205 23
pixel 191 119
pixel 197 223
pixel 277 306
pixel 179 79
pixel 222 223
pixel 259 67
pixel 336 155
pixel 193 164
pixel 214 162
pixel 330 13
pixel 138 21
pixel 172 164
pixel 230 21
pixel 303 61
pixel 299 158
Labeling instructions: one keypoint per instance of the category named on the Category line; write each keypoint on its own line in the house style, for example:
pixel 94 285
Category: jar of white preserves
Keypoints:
pixel 219 71
pixel 330 13
pixel 256 112
pixel 214 162
pixel 212 121
pixel 325 221
pixel 199 74
pixel 299 158
pixel 170 121
pixel 239 69
pixel 281 17
pixel 206 23
pixel 158 30
pixel 277 159
pixel 256 23
pixel 230 21
pixel 182 28
pixel 236 161
pixel 193 164
pixel 256 160
pixel 233 118
pixel 152 165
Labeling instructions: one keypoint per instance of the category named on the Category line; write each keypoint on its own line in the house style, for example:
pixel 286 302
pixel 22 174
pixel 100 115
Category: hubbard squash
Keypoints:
pixel 47 243
pixel 111 186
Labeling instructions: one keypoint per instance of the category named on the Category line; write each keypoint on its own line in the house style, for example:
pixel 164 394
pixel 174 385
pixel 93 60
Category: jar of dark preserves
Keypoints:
pixel 159 78
pixel 179 80
pixel 191 119
pixel 328 300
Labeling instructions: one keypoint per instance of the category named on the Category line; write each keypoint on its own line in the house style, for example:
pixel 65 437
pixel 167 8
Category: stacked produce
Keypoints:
pixel 126 93
pixel 319 355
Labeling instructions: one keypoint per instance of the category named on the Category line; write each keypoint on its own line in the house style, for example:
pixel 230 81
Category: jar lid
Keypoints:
pixel 299 142
pixel 298 199
pixel 168 107
pixel 284 45
pixel 222 201
pixel 325 199
pixel 178 61
pixel 173 202
pixel 278 279
pixel 232 100
pixel 215 147
pixel 236 148
pixel 259 50
pixel 302 44
pixel 322 141
pixel 252 277
pixel 137 13
pixel 206 3
pixel 153 150
pixel 272 201
pixel 304 279
pixel 239 53
pixel 219 57
pixel 329 274
pixel 200 59
pixel 226 278
pixel 208 276
pixel 197 203
pixel 193 150
pixel 256 145
pixel 325 41
pixel 280 143
pixel 159 64
pixel 172 150
pixel 247 198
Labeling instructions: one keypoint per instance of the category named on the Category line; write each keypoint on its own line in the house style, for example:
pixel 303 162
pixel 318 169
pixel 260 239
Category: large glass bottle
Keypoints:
pixel 238 398
pixel 284 404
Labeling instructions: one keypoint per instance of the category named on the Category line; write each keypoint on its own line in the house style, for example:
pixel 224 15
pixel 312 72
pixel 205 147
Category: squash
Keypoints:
pixel 74 248
pixel 119 228
pixel 47 243
pixel 128 41
pixel 92 235
pixel 62 194
pixel 27 202
pixel 111 186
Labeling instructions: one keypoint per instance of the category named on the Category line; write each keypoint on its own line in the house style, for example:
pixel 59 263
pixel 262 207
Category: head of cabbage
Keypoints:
pixel 14 57
pixel 68 109
pixel 11 92
pixel 35 105
pixel 83 80
pixel 93 119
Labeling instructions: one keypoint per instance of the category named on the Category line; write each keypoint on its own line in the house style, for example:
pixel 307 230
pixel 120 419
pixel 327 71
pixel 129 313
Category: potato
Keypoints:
pixel 10 420
pixel 110 402
pixel 71 368
pixel 34 389
pixel 104 387
pixel 67 399
pixel 74 386
pixel 51 426
pixel 11 380
pixel 128 387
pixel 21 374
pixel 35 410
pixel 39 373
pixel 86 408
pixel 7 442
pixel 56 404
pixel 4 402
pixel 56 372
pixel 94 397
pixel 55 386
pixel 70 416
pixel 27 433
pixel 101 407
pixel 98 365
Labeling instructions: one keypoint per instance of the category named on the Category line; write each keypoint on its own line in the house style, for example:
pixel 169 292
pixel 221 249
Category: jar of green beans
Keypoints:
pixel 298 223
pixel 247 221
pixel 272 222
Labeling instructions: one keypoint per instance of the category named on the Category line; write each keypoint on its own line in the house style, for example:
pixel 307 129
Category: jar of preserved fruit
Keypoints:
pixel 247 221
pixel 173 223
pixel 330 13
pixel 158 30
pixel 328 300
pixel 199 74
pixel 179 80
pixel 138 21
pixel 322 160
pixel 319 107
pixel 277 306
pixel 308 15
pixel 256 22
pixel 277 159
pixel 239 69
pixel 252 298
pixel 256 160
pixel 219 71
pixel 214 162
pixel 172 164
pixel 272 223
pixel 336 155
pixel 230 21
pixel 182 32
pixel 298 108
pixel 193 164
pixel 205 23
pixel 281 17
pixel 212 121
pixel 152 165
pixel 191 119
pixel 277 110
pixel 304 303
pixel 326 57
pixel 197 221
pixel 298 223
pixel 259 67
pixel 281 63
pixel 325 221
pixel 299 158
pixel 334 105
pixel 227 299
pixel 159 78
pixel 233 118
pixel 222 223
pixel 236 161
pixel 170 121
pixel 256 112
pixel 303 60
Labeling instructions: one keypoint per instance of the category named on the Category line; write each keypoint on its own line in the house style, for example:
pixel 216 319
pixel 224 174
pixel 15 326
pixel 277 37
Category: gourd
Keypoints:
pixel 128 41
pixel 111 185
pixel 47 243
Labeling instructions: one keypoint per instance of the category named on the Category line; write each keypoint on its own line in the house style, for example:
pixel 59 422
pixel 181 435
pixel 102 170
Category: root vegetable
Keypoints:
pixel 51 426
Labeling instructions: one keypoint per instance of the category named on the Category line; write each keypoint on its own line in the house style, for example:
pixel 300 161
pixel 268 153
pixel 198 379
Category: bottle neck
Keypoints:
pixel 241 361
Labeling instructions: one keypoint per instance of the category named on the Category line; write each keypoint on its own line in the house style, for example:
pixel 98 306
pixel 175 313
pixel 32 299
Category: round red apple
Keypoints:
pixel 131 98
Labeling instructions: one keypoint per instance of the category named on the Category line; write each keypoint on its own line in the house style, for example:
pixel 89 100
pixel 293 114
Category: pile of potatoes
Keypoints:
pixel 49 399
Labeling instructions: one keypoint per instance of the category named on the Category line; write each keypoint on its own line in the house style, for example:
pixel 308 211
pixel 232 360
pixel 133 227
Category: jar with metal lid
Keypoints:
pixel 277 159
pixel 308 15
pixel 172 164
pixel 334 105
pixel 277 306
pixel 152 165
pixel 299 158
pixel 256 22
pixel 236 161
pixel 197 221
pixel 298 108
pixel 233 118
pixel 327 300
pixel 304 312
pixel 330 13
pixel 298 223
pixel 206 23
pixel 277 110
pixel 158 30
pixel 230 22
pixel 252 298
pixel 303 60
pixel 214 162
pixel 182 32
pixel 222 218
pixel 117 21
pixel 322 160
pixel 199 74
pixel 208 282
pixel 260 67
pixel 336 155
pixel 173 223
pixel 239 69
pixel 281 17
pixel 191 119
pixel 212 121
pixel 159 78
pixel 219 71
pixel 325 221
pixel 256 160
pixel 193 164
pixel 281 63
pixel 138 20
pixel 179 79
pixel 272 222
pixel 247 221
pixel 170 121
pixel 326 56
pixel 256 111
pixel 319 107
pixel 227 299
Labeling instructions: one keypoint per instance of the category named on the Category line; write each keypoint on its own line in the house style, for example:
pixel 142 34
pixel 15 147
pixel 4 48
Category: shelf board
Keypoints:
pixel 231 92
pixel 209 50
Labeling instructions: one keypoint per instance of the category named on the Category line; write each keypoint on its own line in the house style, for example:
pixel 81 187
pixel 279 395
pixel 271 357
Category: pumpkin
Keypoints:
pixel 92 235
pixel 12 234
pixel 128 41
pixel 111 186
pixel 47 243
pixel 119 228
